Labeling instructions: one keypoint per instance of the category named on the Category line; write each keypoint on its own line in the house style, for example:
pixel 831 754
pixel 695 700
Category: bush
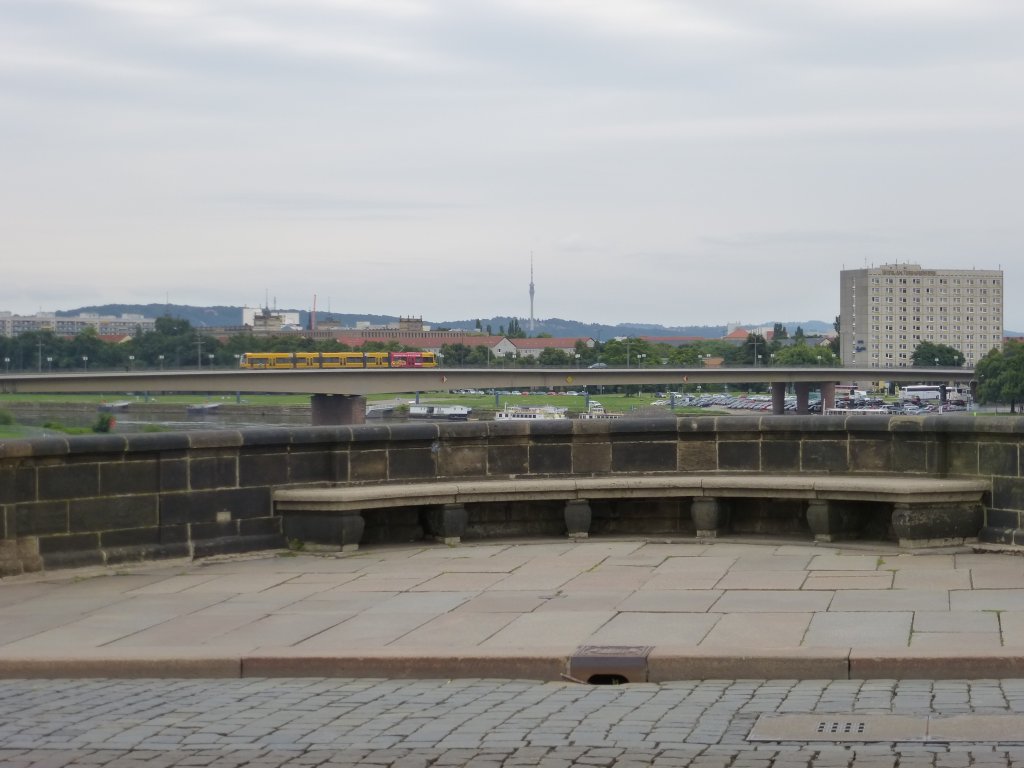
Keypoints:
pixel 6 418
pixel 104 423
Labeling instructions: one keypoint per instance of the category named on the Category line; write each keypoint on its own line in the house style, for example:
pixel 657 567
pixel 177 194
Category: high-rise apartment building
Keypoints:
pixel 886 311
pixel 60 325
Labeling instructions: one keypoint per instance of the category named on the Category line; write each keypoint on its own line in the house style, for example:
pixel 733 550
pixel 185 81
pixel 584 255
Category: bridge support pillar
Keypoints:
pixel 778 397
pixel 803 390
pixel 336 410
pixel 828 395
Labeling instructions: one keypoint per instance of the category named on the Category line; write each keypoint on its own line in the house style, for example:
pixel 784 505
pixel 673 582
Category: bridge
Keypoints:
pixel 338 396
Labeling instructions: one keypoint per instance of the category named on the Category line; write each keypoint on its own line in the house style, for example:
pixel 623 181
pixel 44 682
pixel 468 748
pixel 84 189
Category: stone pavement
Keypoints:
pixel 486 723
pixel 282 659
pixel 522 609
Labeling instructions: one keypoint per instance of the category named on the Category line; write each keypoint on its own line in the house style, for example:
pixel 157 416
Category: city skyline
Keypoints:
pixel 674 164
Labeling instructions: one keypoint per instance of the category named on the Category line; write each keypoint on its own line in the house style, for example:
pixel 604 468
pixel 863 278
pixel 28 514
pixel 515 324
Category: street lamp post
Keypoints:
pixel 161 359
pixel 7 365
pixel 131 362
pixel 85 363
pixel 49 365
pixel 210 358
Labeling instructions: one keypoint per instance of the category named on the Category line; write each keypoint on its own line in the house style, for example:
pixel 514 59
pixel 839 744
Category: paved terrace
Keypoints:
pixel 521 609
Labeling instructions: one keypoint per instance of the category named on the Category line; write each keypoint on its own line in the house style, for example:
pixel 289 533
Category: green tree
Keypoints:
pixel 926 354
pixel 806 355
pixel 515 331
pixel 754 347
pixel 554 358
pixel 456 354
pixel 779 332
pixel 1001 375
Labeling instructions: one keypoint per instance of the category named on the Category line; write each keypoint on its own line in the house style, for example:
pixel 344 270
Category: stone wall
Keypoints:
pixel 111 498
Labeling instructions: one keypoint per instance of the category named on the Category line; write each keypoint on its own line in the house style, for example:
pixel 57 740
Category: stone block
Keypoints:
pixel 310 466
pixel 739 456
pixel 872 455
pixel 173 474
pixel 156 442
pixel 462 460
pixel 644 456
pixel 276 439
pixel 262 468
pixel 206 472
pixel 780 456
pixel 547 459
pixel 591 458
pixel 113 512
pixel 17 484
pixel 508 459
pixel 963 457
pixel 74 542
pixel 914 456
pixel 259 526
pixel 368 466
pixel 825 456
pixel 130 537
pixel 1000 459
pixel 413 432
pixel 1007 493
pixel 413 464
pixel 41 519
pixel 68 481
pixel 123 477
pixel 97 444
pixel 697 456
pixel 214 439
pixel 203 506
pixel 1003 518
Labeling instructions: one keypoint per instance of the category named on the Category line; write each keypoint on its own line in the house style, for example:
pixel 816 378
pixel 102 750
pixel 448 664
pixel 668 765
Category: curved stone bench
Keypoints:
pixel 924 511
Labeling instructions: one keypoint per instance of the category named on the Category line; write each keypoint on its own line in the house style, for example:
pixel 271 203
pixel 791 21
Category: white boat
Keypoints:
pixel 529 413
pixel 450 412
pixel 597 411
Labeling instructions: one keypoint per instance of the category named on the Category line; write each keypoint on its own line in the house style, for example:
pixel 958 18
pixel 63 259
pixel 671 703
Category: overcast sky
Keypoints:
pixel 665 161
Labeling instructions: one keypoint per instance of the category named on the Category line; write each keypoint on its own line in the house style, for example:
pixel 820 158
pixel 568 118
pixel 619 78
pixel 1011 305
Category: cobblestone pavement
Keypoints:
pixel 482 723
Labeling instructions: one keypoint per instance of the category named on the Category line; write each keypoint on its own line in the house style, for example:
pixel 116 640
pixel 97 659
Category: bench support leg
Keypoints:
pixel 936 524
pixel 447 523
pixel 708 516
pixel 577 519
pixel 344 530
pixel 824 520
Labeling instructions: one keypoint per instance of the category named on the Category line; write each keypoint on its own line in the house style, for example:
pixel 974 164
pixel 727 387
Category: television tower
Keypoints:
pixel 531 292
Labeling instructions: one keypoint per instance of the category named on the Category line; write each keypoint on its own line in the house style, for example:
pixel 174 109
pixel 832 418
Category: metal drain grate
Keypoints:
pixel 842 726
pixel 838 728
pixel 979 729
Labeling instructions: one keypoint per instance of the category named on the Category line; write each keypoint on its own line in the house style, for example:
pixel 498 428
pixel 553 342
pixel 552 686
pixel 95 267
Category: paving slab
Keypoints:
pixel 725 603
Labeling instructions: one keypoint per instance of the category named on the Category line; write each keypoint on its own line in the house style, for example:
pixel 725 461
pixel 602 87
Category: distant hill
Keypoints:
pixel 220 316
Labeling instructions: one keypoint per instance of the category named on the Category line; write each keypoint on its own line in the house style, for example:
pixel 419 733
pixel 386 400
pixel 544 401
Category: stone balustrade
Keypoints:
pixel 107 499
